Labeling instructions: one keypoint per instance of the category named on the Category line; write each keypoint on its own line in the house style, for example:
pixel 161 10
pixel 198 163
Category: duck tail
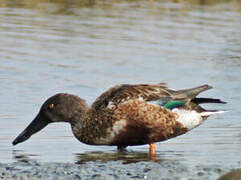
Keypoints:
pixel 207 100
pixel 211 112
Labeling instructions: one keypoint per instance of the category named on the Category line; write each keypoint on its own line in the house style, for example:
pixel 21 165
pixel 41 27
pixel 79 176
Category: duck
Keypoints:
pixel 126 115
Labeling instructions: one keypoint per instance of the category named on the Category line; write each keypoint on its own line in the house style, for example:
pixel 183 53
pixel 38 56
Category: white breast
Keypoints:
pixel 189 119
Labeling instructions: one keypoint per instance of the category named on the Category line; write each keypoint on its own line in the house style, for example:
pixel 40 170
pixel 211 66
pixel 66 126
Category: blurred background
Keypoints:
pixel 85 47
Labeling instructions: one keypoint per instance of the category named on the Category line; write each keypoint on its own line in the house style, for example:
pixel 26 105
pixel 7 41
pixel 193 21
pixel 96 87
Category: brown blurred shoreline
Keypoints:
pixel 66 6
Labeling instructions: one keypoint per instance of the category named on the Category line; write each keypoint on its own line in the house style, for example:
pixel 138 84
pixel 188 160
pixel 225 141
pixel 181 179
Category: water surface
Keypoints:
pixel 85 48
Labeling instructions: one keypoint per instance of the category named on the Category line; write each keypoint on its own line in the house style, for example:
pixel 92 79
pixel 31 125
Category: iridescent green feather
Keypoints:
pixel 173 104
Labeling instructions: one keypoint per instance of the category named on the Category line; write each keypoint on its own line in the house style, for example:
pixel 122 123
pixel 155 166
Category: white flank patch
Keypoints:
pixel 112 132
pixel 189 119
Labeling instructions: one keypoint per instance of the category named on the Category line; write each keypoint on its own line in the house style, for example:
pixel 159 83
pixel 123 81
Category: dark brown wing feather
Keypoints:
pixel 122 93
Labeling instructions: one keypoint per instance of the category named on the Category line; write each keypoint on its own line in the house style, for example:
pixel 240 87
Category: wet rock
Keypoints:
pixel 112 170
pixel 233 175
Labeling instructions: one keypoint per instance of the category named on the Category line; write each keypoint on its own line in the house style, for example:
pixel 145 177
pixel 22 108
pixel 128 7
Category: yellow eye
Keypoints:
pixel 51 106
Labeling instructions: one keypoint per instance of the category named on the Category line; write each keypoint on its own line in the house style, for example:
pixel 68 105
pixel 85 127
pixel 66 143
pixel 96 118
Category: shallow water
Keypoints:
pixel 86 48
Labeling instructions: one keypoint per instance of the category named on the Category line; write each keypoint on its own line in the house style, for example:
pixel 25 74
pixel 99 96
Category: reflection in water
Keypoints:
pixel 20 156
pixel 128 156
pixel 80 158
pixel 125 157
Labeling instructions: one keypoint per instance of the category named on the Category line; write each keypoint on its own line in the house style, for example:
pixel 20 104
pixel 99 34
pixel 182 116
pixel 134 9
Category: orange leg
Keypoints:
pixel 152 151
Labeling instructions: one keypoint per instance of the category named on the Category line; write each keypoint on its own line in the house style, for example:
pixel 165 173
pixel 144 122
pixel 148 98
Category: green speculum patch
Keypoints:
pixel 174 104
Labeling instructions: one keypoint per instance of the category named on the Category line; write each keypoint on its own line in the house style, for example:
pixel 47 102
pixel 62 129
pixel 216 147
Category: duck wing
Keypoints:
pixel 150 93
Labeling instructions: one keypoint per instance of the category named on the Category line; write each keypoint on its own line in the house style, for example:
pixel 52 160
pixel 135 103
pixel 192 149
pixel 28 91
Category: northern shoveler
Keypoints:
pixel 126 115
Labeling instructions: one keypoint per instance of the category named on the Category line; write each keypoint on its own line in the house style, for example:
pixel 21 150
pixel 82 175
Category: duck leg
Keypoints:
pixel 152 150
pixel 121 148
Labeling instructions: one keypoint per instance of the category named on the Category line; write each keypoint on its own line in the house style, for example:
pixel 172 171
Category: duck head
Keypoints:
pixel 58 108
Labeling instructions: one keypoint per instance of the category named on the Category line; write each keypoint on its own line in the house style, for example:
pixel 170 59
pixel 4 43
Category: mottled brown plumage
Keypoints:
pixel 146 124
pixel 125 115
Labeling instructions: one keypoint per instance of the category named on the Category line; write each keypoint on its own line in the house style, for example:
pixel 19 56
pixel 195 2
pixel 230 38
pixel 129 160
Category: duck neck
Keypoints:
pixel 79 122
pixel 79 116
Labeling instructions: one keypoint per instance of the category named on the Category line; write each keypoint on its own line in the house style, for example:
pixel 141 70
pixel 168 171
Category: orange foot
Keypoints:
pixel 152 150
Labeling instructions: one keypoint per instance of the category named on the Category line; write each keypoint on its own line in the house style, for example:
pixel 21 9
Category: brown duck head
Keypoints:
pixel 58 108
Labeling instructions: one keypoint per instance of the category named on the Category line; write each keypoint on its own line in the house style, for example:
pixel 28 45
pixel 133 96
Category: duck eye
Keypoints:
pixel 51 106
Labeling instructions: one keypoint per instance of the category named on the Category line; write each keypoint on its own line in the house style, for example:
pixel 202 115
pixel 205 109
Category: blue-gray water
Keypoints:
pixel 47 48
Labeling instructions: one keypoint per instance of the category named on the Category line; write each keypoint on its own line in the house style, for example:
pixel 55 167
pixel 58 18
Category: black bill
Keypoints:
pixel 36 125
